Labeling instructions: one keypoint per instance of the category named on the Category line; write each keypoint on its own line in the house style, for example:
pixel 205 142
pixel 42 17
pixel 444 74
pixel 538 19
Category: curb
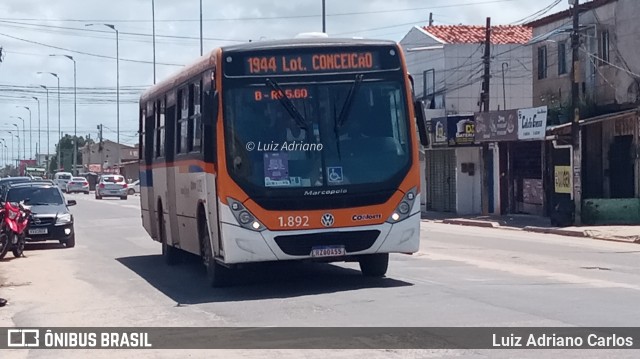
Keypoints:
pixel 544 230
pixel 473 223
pixel 558 231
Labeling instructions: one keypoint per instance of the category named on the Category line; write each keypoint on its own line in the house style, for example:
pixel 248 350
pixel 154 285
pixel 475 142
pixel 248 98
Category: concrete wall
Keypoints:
pixel 458 71
pixel 604 83
pixel 463 77
pixel 420 60
pixel 468 188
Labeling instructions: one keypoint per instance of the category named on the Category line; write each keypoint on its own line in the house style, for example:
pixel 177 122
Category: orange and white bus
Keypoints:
pixel 285 150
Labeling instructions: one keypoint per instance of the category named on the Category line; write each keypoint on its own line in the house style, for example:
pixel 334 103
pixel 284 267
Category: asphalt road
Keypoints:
pixel 463 276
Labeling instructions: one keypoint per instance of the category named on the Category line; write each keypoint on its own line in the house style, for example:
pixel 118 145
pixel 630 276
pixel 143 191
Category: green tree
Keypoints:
pixel 66 151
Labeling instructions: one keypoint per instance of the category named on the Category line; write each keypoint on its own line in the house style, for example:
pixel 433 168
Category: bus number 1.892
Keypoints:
pixel 294 221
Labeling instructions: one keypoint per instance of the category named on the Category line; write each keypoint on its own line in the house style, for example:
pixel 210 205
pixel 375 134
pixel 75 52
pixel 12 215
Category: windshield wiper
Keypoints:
pixel 346 108
pixel 288 105
pixel 339 120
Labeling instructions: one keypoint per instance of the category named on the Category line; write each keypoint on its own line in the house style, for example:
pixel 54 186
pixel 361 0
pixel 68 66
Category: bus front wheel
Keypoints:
pixel 217 275
pixel 374 265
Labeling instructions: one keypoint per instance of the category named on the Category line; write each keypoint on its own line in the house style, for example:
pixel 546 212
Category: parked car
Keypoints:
pixel 5 182
pixel 134 188
pixel 78 184
pixel 61 179
pixel 112 186
pixel 51 218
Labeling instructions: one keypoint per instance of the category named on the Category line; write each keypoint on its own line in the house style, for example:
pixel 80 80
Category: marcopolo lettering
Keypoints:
pixel 327 192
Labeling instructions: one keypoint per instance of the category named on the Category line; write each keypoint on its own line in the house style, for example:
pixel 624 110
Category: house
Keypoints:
pixel 608 68
pixel 447 64
pixel 109 154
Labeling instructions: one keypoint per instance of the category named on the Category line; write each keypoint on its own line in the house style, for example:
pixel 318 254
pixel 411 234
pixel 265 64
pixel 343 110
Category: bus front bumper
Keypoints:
pixel 242 245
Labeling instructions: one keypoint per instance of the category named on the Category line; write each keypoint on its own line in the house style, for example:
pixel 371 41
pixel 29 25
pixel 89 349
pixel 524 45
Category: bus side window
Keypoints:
pixel 181 131
pixel 160 139
pixel 209 116
pixel 197 117
pixel 150 132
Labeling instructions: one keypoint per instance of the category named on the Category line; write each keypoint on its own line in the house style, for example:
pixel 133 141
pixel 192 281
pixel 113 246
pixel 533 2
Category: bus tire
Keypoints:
pixel 170 254
pixel 374 265
pixel 217 275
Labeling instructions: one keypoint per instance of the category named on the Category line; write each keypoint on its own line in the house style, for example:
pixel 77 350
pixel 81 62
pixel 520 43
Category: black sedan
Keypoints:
pixel 51 218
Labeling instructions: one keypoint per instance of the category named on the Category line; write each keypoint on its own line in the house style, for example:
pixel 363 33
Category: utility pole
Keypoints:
pixel 324 17
pixel 430 19
pixel 153 25
pixel 201 47
pixel 576 134
pixel 88 146
pixel 100 149
pixel 486 153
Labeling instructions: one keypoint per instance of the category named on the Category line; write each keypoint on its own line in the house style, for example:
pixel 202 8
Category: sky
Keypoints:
pixel 32 30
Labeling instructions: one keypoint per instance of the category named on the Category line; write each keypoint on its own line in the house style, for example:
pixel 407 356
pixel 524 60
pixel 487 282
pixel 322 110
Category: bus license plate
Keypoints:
pixel 38 231
pixel 333 251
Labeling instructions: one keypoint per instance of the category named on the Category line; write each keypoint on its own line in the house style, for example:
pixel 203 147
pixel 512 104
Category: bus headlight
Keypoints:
pixel 404 208
pixel 244 217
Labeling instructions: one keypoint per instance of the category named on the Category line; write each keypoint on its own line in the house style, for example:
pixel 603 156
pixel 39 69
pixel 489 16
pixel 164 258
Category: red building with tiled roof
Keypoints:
pixel 475 34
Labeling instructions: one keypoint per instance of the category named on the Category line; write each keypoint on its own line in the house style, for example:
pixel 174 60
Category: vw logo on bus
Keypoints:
pixel 327 220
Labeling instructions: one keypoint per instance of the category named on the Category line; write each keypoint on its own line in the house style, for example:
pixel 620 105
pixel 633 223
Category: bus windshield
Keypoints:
pixel 350 132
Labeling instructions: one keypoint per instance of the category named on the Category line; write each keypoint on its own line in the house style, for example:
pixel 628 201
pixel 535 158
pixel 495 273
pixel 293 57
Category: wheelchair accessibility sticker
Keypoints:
pixel 335 174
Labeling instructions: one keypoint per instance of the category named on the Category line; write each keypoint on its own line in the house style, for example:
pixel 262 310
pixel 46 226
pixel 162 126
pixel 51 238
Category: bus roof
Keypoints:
pixel 208 60
pixel 304 42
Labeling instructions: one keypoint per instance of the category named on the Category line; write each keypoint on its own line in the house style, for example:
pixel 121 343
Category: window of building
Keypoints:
pixel 562 57
pixel 542 62
pixel 604 47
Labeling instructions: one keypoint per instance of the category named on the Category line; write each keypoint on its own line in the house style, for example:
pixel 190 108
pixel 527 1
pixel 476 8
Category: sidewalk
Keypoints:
pixel 529 223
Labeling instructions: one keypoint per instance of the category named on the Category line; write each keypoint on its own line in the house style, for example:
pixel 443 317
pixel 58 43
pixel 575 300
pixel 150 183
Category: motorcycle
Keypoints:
pixel 14 222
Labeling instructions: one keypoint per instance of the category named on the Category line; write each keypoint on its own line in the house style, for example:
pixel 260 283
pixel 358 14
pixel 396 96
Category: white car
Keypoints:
pixel 134 188
pixel 61 179
pixel 78 184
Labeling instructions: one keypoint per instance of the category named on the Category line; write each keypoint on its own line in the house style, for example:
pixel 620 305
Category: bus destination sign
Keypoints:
pixel 311 63
pixel 332 62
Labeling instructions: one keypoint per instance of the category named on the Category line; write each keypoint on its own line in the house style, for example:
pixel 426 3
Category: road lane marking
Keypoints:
pixel 529 271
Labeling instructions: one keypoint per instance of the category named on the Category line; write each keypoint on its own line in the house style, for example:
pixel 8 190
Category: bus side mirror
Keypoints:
pixel 413 86
pixel 421 123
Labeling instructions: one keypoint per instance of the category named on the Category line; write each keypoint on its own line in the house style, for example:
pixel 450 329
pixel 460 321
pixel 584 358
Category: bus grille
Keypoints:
pixel 301 244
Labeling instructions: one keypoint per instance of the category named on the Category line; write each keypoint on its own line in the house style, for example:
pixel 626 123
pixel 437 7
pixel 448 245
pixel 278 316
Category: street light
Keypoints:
pixel 18 136
pixel 38 144
pixel 4 152
pixel 24 138
pixel 48 144
pixel 75 113
pixel 113 27
pixel 59 130
pixel 11 133
pixel 30 133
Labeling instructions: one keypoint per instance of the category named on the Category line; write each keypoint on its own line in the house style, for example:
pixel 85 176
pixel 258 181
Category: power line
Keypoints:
pixel 474 3
pixel 27 25
pixel 87 53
